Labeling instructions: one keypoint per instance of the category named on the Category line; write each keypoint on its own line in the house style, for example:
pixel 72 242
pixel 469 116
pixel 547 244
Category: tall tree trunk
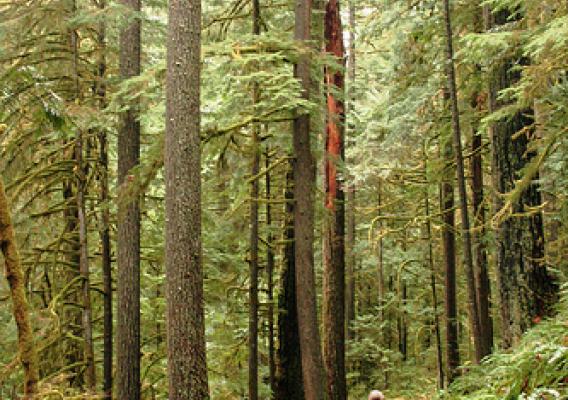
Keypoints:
pixel 482 284
pixel 350 235
pixel 334 255
pixel 187 362
pixel 431 264
pixel 439 355
pixel 81 184
pixel 304 177
pixel 253 262
pixel 289 375
pixel 269 278
pixel 526 288
pixel 106 261
pixel 72 318
pixel 449 250
pixel 15 277
pixel 466 234
pixel 128 249
pixel 86 319
pixel 481 266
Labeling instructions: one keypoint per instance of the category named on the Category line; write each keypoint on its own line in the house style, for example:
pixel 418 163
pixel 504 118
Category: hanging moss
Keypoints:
pixel 14 274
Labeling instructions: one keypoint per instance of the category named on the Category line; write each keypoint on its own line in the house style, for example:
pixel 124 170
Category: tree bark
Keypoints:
pixel 460 173
pixel 334 254
pixel 429 238
pixel 527 290
pixel 15 277
pixel 304 176
pixel 86 312
pixel 128 249
pixel 269 279
pixel 253 262
pixel 350 235
pixel 72 316
pixel 289 384
pixel 449 250
pixel 187 363
pixel 80 170
pixel 481 266
pixel 106 261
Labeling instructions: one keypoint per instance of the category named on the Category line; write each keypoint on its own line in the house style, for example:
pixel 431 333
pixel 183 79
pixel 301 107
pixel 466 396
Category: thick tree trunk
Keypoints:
pixel 289 383
pixel 449 250
pixel 334 254
pixel 304 177
pixel 527 290
pixel 187 363
pixel 253 262
pixel 128 249
pixel 15 277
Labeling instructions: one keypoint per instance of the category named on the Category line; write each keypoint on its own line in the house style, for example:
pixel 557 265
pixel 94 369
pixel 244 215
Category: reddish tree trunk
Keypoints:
pixel 334 249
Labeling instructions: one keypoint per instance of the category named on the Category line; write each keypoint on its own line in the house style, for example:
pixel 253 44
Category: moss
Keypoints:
pixel 14 274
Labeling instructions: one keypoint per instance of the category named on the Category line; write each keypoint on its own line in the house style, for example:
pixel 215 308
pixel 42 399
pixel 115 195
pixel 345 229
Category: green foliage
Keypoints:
pixel 535 369
pixel 398 123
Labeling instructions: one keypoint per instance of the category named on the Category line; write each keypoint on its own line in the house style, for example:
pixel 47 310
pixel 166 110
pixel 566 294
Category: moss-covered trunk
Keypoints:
pixel 15 276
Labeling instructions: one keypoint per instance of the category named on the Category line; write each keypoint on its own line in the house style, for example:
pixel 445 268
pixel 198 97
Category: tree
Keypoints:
pixel 350 234
pixel 15 277
pixel 481 267
pixel 526 287
pixel 289 374
pixel 128 249
pixel 304 176
pixel 472 303
pixel 253 262
pixel 270 276
pixel 103 168
pixel 449 250
pixel 334 248
pixel 187 366
pixel 81 170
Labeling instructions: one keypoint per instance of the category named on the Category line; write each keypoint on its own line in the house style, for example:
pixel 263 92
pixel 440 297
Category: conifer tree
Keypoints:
pixel 128 238
pixel 187 364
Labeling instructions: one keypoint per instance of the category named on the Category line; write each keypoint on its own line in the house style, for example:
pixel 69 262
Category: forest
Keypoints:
pixel 284 199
